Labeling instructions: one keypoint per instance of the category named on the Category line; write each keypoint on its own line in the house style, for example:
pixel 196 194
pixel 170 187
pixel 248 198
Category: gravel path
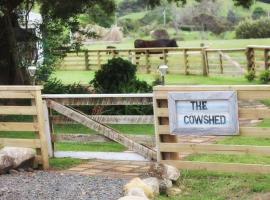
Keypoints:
pixel 57 186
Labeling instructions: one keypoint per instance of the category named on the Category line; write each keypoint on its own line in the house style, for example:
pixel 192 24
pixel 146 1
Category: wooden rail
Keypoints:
pixel 169 147
pixel 182 60
pixel 32 106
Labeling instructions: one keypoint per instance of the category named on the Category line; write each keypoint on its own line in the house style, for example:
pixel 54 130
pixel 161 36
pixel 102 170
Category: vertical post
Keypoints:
pixel 47 129
pixel 98 60
pixel 266 59
pixel 165 56
pixel 250 54
pixel 221 63
pixel 186 62
pixel 204 62
pixel 86 60
pixel 148 66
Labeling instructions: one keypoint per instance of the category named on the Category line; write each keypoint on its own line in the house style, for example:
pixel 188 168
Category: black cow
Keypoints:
pixel 155 43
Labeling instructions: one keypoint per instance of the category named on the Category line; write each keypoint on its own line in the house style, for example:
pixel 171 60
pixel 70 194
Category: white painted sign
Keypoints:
pixel 203 113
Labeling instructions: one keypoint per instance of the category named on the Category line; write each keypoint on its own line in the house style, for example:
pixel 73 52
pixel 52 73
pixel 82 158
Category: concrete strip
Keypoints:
pixel 130 156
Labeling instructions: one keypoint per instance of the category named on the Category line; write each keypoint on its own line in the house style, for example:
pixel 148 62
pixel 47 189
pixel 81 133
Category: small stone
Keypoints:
pixel 13 171
pixel 173 191
pixel 29 169
pixel 163 171
pixel 21 170
pixel 6 163
pixel 172 172
pixel 133 198
pixel 164 185
pixel 153 183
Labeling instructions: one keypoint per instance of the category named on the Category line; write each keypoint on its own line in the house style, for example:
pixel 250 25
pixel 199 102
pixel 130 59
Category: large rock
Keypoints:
pixel 164 185
pixel 138 192
pixel 23 157
pixel 133 198
pixel 153 183
pixel 163 171
pixel 6 163
pixel 138 183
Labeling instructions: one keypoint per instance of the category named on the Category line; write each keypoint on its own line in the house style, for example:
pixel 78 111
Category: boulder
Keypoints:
pixel 138 192
pixel 164 185
pixel 163 171
pixel 6 163
pixel 23 157
pixel 138 183
pixel 133 198
pixel 153 183
pixel 173 191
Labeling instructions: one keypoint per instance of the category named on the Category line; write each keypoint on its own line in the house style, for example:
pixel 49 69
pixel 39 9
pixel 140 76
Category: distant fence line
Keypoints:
pixel 202 60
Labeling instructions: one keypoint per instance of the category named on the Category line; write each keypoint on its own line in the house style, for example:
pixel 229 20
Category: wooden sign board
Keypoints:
pixel 203 113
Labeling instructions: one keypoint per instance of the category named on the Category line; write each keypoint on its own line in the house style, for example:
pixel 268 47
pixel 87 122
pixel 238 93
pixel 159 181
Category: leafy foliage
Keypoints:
pixel 250 76
pixel 253 29
pixel 258 13
pixel 265 77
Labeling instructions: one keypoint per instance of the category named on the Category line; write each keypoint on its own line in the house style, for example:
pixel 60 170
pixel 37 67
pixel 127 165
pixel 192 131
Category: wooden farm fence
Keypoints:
pixel 64 105
pixel 24 101
pixel 234 61
pixel 169 148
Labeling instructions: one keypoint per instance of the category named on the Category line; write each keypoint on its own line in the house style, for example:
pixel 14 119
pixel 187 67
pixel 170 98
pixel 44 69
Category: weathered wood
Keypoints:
pixel 86 60
pixel 266 59
pixel 102 129
pixel 233 62
pixel 18 126
pixel 18 110
pixel 186 62
pixel 250 54
pixel 220 167
pixel 47 129
pixel 27 143
pixel 204 62
pixel 109 119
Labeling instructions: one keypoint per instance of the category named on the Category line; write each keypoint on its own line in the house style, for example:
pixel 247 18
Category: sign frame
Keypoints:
pixel 230 96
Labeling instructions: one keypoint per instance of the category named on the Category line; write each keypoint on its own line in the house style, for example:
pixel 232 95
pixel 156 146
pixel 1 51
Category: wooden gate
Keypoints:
pixel 24 101
pixel 169 148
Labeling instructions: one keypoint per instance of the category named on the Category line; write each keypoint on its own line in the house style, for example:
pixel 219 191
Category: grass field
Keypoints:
pixel 84 77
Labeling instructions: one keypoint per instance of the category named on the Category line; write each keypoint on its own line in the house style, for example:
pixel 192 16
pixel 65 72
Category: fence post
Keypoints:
pixel 204 62
pixel 165 56
pixel 186 62
pixel 148 66
pixel 250 53
pixel 221 63
pixel 266 59
pixel 86 60
pixel 98 60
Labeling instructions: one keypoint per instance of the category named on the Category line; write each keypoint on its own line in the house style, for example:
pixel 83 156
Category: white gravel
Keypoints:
pixel 57 186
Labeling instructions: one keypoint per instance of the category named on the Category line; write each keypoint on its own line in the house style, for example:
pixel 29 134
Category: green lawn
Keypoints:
pixel 84 77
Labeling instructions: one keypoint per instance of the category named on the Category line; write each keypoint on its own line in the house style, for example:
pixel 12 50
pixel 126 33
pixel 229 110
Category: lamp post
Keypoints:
pixel 162 70
pixel 32 72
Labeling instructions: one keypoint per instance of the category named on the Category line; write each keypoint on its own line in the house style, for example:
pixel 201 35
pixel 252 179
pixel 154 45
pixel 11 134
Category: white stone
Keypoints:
pixel 138 192
pixel 138 183
pixel 172 172
pixel 173 191
pixel 6 163
pixel 133 198
pixel 18 154
pixel 153 183
pixel 164 185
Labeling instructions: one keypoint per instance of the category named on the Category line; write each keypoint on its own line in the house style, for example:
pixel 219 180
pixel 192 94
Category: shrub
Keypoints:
pixel 250 76
pixel 264 77
pixel 160 34
pixel 258 13
pixel 56 86
pixel 253 29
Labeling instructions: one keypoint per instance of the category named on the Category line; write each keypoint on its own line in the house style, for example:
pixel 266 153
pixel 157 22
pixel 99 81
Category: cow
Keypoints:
pixel 155 43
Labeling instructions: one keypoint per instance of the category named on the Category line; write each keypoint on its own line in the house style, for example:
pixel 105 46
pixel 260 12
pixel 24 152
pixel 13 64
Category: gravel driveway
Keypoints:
pixel 55 185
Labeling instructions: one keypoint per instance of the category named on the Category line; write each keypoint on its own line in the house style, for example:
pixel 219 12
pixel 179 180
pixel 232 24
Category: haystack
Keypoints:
pixel 113 35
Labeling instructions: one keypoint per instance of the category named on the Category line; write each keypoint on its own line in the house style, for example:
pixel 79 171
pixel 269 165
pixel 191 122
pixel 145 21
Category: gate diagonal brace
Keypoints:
pixel 103 129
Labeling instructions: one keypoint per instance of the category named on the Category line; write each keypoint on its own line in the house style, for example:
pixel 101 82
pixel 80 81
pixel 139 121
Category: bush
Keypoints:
pixel 160 34
pixel 250 76
pixel 253 29
pixel 258 13
pixel 265 77
pixel 56 86
pixel 118 76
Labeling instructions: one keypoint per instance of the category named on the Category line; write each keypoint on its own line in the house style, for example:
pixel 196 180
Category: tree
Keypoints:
pixel 57 16
pixel 258 13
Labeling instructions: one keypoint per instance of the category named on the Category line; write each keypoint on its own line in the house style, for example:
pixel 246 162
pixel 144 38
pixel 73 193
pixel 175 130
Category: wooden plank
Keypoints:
pixel 47 129
pixel 20 88
pixel 247 113
pixel 102 129
pixel 16 95
pixel 42 136
pixel 109 119
pixel 220 167
pixel 27 143
pixel 18 110
pixel 18 126
pixel 244 131
pixel 215 149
